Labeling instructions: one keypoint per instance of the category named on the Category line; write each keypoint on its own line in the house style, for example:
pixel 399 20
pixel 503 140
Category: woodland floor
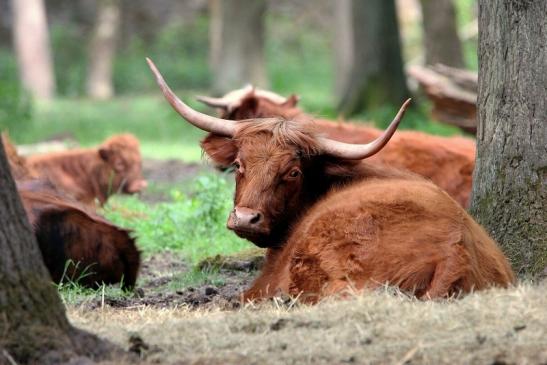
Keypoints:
pixel 202 322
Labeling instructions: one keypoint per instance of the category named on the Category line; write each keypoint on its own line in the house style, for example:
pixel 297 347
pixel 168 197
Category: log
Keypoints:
pixel 453 93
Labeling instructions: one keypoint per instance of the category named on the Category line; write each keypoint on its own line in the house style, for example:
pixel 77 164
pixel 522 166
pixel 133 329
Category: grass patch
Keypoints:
pixel 192 224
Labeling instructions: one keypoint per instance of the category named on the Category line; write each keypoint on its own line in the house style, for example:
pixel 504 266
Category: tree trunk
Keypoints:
pixel 441 40
pixel 33 325
pixel 510 191
pixel 31 41
pixel 343 45
pixel 377 76
pixel 102 49
pixel 237 44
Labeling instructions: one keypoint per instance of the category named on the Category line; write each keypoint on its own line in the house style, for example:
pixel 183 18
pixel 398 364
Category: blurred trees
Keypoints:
pixel 376 75
pixel 441 41
pixel 31 43
pixel 102 49
pixel 510 180
pixel 237 43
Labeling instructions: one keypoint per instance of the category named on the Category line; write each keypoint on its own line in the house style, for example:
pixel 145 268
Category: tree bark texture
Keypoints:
pixel 510 190
pixel 441 40
pixel 377 76
pixel 31 42
pixel 102 49
pixel 237 44
pixel 33 325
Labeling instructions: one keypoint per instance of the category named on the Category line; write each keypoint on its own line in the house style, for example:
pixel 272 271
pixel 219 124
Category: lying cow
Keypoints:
pixel 94 173
pixel 448 162
pixel 331 222
pixel 75 243
pixel 78 244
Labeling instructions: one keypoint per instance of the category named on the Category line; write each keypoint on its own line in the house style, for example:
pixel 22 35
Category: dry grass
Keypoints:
pixel 497 326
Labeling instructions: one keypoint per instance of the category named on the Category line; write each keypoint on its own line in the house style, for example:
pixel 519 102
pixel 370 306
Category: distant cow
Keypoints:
pixel 75 243
pixel 448 162
pixel 331 222
pixel 94 173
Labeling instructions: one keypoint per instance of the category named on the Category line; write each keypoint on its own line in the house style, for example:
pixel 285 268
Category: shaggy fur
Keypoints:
pixel 75 242
pixel 94 173
pixel 99 252
pixel 448 162
pixel 336 224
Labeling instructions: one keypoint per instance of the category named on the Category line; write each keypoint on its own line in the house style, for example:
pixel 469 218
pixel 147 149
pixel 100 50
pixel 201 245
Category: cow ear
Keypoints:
pixel 291 101
pixel 222 150
pixel 249 106
pixel 104 153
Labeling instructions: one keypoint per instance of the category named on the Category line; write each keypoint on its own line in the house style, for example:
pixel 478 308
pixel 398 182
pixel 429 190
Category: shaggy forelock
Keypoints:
pixel 284 132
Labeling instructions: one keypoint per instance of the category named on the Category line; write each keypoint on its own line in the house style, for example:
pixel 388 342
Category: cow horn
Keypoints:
pixel 213 102
pixel 203 121
pixel 360 151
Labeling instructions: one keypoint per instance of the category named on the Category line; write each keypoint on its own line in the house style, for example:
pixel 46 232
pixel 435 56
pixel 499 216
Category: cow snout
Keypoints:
pixel 136 186
pixel 246 219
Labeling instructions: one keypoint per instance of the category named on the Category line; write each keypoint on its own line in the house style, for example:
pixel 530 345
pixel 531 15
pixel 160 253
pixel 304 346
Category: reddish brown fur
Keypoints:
pixel 448 162
pixel 94 173
pixel 99 252
pixel 66 230
pixel 338 224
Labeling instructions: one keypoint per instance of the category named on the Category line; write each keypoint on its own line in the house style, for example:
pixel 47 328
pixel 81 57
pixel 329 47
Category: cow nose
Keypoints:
pixel 245 218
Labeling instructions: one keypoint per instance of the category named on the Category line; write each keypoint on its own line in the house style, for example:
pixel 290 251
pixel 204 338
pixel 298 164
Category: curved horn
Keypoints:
pixel 223 127
pixel 213 102
pixel 360 151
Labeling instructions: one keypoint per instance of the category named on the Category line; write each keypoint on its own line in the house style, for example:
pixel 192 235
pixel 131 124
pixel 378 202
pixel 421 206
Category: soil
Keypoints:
pixel 157 286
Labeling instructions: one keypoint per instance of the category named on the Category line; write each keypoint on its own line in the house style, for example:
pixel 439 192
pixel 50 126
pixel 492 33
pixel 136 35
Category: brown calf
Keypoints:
pixel 331 222
pixel 448 162
pixel 75 242
pixel 94 173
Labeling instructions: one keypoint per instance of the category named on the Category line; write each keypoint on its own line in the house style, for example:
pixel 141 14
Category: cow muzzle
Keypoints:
pixel 136 186
pixel 245 221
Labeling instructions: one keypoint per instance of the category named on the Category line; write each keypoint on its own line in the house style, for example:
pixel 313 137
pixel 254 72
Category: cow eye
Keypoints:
pixel 294 173
pixel 237 165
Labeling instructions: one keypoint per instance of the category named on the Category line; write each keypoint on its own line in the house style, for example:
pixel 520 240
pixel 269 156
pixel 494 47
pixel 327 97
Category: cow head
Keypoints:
pixel 122 154
pixel 250 102
pixel 280 164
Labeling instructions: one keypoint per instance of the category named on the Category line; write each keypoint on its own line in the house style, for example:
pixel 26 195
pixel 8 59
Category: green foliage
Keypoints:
pixel 180 50
pixel 70 59
pixel 192 224
pixel 15 102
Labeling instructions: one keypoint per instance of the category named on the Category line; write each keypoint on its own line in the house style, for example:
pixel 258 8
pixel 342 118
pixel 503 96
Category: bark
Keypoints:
pixel 237 44
pixel 33 325
pixel 377 76
pixel 441 40
pixel 31 41
pixel 102 49
pixel 510 191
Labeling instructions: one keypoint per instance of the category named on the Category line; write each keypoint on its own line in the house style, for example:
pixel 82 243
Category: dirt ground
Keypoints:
pixel 159 284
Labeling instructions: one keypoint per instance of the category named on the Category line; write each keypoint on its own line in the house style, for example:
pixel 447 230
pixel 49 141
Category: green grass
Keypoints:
pixel 192 224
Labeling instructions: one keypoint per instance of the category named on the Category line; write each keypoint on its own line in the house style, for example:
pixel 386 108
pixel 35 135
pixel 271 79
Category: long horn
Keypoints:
pixel 223 127
pixel 213 102
pixel 360 151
